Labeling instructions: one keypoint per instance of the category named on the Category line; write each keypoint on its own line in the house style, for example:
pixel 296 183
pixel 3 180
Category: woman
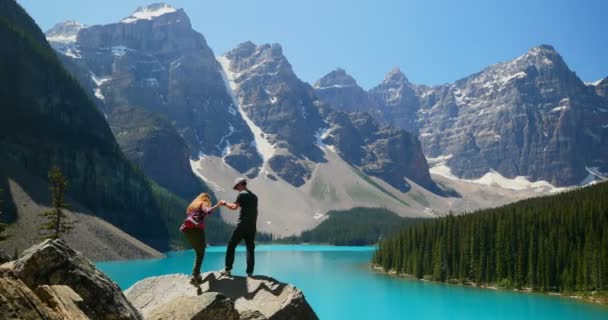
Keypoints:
pixel 194 229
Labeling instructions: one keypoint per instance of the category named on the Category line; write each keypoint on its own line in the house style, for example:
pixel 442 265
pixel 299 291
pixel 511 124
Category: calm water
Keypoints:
pixel 338 283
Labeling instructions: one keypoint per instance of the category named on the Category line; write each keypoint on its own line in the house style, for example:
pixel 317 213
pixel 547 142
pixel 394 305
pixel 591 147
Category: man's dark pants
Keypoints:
pixel 240 233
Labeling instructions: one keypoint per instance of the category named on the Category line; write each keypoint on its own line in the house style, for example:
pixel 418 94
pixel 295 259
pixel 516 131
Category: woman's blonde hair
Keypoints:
pixel 199 201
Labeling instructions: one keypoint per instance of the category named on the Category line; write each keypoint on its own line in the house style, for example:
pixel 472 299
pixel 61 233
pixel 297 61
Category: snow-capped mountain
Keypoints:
pixel 295 126
pixel 529 117
pixel 178 110
pixel 64 31
pixel 159 63
pixel 149 12
pixel 62 37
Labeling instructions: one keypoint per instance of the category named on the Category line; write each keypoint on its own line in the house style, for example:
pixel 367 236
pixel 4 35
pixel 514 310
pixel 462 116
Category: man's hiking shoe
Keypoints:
pixel 225 273
pixel 249 275
pixel 196 280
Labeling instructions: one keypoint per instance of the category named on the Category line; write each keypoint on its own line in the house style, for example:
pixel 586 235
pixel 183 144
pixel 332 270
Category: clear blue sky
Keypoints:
pixel 432 41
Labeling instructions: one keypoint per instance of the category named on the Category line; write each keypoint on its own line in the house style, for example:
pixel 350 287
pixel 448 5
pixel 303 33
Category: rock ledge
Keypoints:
pixel 233 297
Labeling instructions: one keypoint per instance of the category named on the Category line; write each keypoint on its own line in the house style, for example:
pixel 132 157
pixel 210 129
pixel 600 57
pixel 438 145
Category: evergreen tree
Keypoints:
pixel 57 222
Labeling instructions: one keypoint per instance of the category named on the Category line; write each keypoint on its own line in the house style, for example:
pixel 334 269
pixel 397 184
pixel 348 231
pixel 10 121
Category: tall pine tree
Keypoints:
pixel 57 222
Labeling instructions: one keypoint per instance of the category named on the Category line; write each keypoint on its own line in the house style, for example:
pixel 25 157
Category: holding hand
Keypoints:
pixel 222 202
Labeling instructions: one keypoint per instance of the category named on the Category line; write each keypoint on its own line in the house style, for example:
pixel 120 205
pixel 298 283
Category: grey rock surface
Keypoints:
pixel 342 92
pixel 254 298
pixel 280 104
pixel 162 65
pixel 379 150
pixel 531 116
pixel 17 301
pixel 52 263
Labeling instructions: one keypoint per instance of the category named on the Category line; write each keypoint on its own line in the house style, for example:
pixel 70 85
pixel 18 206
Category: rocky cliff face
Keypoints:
pixel 342 92
pixel 379 150
pixel 531 116
pixel 279 105
pixel 296 125
pixel 154 60
pixel 397 101
pixel 154 145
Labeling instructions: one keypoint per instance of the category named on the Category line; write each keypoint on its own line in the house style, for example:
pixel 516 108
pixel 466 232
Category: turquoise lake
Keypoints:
pixel 339 284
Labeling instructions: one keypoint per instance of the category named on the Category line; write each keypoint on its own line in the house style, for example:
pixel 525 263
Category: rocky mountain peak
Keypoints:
pixel 64 32
pixel 244 49
pixel 149 12
pixel 395 76
pixel 265 59
pixel 601 87
pixel 543 55
pixel 336 78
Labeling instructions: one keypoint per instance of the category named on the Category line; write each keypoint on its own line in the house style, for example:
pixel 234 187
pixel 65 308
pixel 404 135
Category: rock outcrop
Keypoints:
pixel 52 281
pixel 64 282
pixel 229 297
pixel 379 150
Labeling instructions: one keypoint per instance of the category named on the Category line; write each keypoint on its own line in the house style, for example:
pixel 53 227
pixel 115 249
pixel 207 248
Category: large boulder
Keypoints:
pixel 53 263
pixel 253 298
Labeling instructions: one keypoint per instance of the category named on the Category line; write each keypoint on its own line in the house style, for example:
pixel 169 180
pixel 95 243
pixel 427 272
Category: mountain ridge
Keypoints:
pixel 537 86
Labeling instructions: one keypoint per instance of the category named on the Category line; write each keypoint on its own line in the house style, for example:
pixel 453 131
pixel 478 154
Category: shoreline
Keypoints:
pixel 588 297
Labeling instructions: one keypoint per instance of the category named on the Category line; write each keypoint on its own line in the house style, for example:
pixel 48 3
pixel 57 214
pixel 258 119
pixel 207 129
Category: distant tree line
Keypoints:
pixel 553 243
pixel 354 227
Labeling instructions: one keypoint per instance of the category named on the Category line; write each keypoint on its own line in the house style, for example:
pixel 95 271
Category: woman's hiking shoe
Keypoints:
pixel 196 280
pixel 225 273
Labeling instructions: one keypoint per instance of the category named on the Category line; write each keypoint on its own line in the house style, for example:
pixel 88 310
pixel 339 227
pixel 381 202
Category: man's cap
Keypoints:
pixel 238 181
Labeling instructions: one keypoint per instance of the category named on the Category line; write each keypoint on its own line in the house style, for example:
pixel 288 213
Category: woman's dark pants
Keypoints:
pixel 196 237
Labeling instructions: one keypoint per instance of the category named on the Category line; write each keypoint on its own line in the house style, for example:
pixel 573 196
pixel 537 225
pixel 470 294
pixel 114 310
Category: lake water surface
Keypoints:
pixel 339 284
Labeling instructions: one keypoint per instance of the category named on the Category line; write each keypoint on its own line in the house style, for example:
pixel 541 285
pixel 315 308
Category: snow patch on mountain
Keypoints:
pixel 63 38
pixel 99 82
pixel 321 134
pixel 595 176
pixel 149 12
pixel 438 166
pixel 264 147
pixel 73 53
pixel 119 51
pixel 224 144
pixel 594 83
pixel 64 32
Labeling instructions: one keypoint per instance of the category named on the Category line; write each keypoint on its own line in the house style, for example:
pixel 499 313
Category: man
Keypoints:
pixel 245 227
